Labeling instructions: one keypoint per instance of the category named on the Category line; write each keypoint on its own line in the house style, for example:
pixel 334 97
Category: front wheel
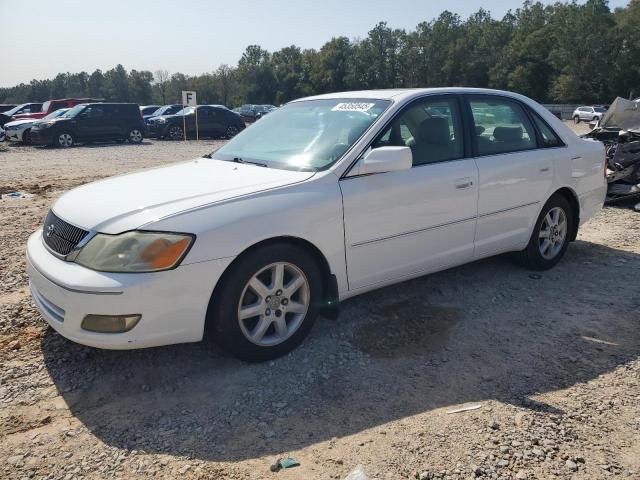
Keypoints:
pixel 175 133
pixel 551 234
pixel 266 304
pixel 65 140
pixel 26 137
pixel 135 136
pixel 576 119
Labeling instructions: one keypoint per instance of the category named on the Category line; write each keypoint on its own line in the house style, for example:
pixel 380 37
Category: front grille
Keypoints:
pixel 60 236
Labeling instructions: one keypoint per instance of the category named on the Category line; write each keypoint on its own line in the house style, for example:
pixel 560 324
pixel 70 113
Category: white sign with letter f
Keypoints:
pixel 189 98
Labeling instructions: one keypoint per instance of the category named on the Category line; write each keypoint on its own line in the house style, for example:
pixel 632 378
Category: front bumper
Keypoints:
pixel 41 137
pixel 14 135
pixel 173 304
pixel 157 130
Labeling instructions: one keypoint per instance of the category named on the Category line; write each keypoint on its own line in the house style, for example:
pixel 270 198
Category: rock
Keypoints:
pixel 571 465
pixel 270 434
pixel 502 463
pixel 16 460
pixel 521 475
pixel 494 425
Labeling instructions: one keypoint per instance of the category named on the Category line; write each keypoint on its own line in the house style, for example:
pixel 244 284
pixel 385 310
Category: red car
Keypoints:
pixel 53 105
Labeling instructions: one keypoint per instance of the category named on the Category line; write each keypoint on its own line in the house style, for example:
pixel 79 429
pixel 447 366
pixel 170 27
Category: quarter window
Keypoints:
pixel 501 126
pixel 548 136
pixel 432 128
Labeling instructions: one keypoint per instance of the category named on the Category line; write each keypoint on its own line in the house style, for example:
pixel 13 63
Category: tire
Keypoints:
pixel 595 119
pixel 576 119
pixel 175 132
pixel 26 136
pixel 64 140
pixel 231 132
pixel 282 329
pixel 135 136
pixel 540 255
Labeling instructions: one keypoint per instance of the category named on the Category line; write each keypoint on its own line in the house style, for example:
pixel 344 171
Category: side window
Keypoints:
pixel 549 137
pixel 501 126
pixel 94 111
pixel 431 127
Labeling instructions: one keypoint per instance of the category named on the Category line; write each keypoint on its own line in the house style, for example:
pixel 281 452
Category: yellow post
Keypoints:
pixel 184 124
pixel 197 137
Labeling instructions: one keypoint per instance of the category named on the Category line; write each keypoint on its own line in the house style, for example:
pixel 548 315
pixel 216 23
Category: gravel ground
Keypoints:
pixel 551 361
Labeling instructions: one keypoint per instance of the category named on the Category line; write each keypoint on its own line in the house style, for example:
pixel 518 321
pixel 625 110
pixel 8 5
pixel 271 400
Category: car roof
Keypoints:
pixel 405 93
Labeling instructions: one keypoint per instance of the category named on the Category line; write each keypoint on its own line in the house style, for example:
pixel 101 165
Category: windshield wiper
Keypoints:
pixel 241 160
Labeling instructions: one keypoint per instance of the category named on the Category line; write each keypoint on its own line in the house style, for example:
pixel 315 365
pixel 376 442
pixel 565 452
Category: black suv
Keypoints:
pixel 213 121
pixel 90 122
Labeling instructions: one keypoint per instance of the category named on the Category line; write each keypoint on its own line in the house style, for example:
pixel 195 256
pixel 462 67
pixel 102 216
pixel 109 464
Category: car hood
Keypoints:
pixel 127 202
pixel 17 123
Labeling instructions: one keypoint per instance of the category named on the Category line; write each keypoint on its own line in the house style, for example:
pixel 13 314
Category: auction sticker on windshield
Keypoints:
pixel 353 107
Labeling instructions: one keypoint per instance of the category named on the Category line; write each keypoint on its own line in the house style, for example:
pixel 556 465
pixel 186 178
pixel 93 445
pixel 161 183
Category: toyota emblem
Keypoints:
pixel 50 230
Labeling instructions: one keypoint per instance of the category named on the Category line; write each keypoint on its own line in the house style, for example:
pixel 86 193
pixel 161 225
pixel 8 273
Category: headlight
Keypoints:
pixel 161 120
pixel 45 124
pixel 134 252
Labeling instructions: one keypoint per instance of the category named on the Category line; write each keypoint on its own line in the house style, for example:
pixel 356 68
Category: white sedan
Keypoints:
pixel 19 130
pixel 325 198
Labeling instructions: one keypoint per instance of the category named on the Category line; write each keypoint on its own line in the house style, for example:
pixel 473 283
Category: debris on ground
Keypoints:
pixel 464 409
pixel 284 463
pixel 13 195
pixel 357 474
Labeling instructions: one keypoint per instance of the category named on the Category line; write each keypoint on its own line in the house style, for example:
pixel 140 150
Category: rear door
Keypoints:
pixel 515 176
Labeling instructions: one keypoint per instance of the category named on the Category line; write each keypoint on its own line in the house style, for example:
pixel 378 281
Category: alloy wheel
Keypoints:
pixel 553 233
pixel 232 131
pixel 175 133
pixel 135 136
pixel 65 140
pixel 273 304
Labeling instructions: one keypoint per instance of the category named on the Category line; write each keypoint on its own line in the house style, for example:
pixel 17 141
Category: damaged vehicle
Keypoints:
pixel 619 130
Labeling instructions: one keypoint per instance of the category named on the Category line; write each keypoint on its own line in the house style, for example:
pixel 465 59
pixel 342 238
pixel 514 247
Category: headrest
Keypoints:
pixel 507 134
pixel 434 130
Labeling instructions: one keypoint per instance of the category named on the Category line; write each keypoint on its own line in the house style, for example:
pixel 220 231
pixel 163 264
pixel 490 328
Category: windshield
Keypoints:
pixel 13 111
pixel 56 113
pixel 306 135
pixel 185 111
pixel 162 110
pixel 75 111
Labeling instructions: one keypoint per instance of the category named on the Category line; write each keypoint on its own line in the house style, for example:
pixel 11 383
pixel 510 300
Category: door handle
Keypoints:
pixel 544 169
pixel 463 183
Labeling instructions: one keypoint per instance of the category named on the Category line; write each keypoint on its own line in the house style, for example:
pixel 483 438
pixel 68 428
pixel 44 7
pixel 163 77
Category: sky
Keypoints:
pixel 41 38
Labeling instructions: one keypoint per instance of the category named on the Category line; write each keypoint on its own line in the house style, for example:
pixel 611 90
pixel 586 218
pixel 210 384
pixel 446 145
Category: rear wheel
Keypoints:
pixel 135 136
pixel 551 234
pixel 175 132
pixel 266 304
pixel 231 132
pixel 65 140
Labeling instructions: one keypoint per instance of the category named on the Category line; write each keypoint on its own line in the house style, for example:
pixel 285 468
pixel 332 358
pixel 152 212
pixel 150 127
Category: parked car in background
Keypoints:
pixel 51 106
pixel 588 114
pixel 213 121
pixel 164 110
pixel 91 122
pixel 326 198
pixel 2 135
pixel 6 106
pixel 20 130
pixel 148 109
pixel 247 112
pixel 23 108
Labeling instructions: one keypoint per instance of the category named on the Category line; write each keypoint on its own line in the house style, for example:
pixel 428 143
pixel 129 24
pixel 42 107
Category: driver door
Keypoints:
pixel 412 222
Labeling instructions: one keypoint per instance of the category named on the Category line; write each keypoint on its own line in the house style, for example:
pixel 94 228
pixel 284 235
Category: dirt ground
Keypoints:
pixel 546 366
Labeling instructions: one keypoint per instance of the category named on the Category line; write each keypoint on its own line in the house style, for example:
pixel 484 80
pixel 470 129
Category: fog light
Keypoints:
pixel 110 323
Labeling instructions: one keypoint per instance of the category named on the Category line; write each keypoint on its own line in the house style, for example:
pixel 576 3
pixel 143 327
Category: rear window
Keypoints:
pixel 501 126
pixel 548 136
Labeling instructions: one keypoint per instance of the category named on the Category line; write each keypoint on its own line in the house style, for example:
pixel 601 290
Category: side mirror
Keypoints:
pixel 384 159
